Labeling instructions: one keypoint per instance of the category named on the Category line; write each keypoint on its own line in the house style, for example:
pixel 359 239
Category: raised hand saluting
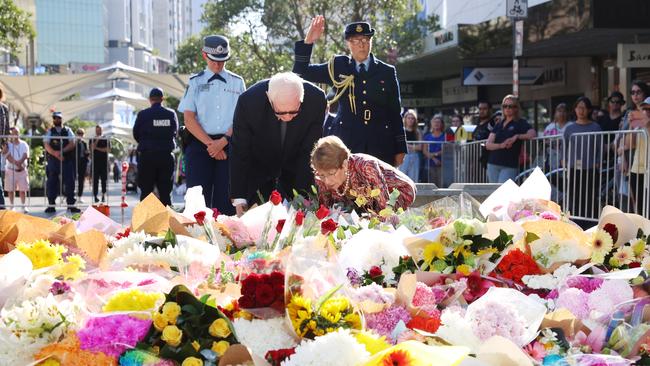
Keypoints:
pixel 316 29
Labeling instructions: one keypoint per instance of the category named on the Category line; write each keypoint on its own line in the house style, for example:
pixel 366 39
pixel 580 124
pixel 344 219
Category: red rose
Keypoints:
pixel 264 295
pixel 249 284
pixel 215 213
pixel 280 225
pixel 612 230
pixel 276 278
pixel 275 198
pixel 300 218
pixel 634 265
pixel 426 324
pixel 375 271
pixel 200 217
pixel 322 212
pixel 328 226
pixel 276 357
pixel 246 302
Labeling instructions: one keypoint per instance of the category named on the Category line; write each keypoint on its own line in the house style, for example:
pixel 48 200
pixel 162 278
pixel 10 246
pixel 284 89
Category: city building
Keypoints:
pixel 172 25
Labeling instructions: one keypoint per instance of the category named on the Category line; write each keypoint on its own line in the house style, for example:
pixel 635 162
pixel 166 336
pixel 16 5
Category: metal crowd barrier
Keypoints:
pixel 36 168
pixel 581 191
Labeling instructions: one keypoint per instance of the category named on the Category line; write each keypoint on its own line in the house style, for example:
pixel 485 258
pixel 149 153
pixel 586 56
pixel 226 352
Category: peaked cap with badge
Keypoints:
pixel 216 48
pixel 369 118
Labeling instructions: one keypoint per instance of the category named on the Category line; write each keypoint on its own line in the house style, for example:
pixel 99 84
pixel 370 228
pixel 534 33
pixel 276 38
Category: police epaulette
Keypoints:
pixel 197 75
pixel 235 75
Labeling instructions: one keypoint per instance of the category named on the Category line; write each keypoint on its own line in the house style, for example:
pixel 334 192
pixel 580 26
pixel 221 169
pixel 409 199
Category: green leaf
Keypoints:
pixel 340 233
pixel 531 237
pixel 204 299
pixel 190 309
pixel 326 297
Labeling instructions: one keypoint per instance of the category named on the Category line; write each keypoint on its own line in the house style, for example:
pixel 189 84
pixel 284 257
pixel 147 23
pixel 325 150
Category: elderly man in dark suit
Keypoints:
pixel 275 126
pixel 368 119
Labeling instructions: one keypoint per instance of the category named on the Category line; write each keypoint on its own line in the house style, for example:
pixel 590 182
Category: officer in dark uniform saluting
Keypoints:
pixel 155 129
pixel 60 146
pixel 368 118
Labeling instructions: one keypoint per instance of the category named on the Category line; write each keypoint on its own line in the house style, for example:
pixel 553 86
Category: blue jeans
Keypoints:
pixel 500 173
pixel 411 166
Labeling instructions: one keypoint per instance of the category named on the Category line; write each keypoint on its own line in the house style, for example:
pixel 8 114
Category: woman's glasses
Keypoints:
pixel 510 106
pixel 636 92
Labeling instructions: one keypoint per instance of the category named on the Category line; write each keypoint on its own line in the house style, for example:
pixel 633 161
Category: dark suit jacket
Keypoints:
pixel 258 161
pixel 376 128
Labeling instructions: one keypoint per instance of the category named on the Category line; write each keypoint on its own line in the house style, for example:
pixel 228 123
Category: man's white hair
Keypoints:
pixel 286 85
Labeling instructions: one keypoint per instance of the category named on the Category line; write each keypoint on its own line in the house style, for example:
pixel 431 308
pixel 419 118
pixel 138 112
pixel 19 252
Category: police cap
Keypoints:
pixel 359 29
pixel 57 115
pixel 216 48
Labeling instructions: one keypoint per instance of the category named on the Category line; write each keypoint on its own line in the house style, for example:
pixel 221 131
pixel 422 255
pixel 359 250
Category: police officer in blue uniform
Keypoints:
pixel 208 107
pixel 368 118
pixel 155 130
pixel 60 146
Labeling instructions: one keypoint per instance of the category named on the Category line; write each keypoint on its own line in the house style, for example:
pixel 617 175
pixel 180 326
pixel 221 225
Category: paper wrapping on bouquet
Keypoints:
pixel 501 351
pixel 627 225
pixel 17 227
pixel 98 287
pixel 416 353
pixel 94 219
pixel 15 267
pixel 370 247
pixel 415 244
pixel 572 244
pixel 536 187
pixel 450 208
pixel 152 217
pixel 194 202
pixel 565 320
pixel 94 245
pixel 239 354
pixel 103 209
pixel 408 283
pixel 264 217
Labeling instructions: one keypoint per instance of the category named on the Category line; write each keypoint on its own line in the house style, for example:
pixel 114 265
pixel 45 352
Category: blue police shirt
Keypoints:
pixel 213 98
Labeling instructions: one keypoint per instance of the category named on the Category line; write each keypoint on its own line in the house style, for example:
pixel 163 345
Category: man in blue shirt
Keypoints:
pixel 60 146
pixel 208 106
pixel 155 129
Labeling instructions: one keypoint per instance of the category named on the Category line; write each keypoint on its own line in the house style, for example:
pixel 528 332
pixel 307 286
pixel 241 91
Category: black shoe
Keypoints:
pixel 50 210
pixel 96 199
pixel 103 198
pixel 74 209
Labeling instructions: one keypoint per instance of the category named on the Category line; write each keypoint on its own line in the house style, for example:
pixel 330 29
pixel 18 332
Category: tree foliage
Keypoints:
pixel 14 24
pixel 262 32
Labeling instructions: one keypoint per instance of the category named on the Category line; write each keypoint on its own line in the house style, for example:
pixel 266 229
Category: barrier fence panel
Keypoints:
pixel 43 172
pixel 606 168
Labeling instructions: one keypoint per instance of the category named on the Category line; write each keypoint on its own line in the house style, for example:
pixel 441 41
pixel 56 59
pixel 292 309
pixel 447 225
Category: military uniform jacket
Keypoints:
pixel 376 128
pixel 259 161
pixel 155 129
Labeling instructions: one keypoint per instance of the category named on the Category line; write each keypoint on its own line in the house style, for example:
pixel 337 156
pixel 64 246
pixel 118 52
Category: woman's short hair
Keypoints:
pixel 329 153
pixel 439 117
pixel 286 85
pixel 412 112
pixel 584 100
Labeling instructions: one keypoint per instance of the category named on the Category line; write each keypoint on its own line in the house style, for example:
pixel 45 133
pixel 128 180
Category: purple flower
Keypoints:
pixel 354 277
pixel 59 288
pixel 385 321
pixel 585 284
pixel 113 334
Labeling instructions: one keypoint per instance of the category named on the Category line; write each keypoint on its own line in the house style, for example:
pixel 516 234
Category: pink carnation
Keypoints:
pixel 574 300
pixel 384 322
pixel 427 298
pixel 494 318
pixel 609 295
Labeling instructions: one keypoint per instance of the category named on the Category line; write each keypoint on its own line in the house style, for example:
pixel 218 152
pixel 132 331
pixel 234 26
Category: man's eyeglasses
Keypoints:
pixel 289 113
pixel 510 106
pixel 616 101
pixel 358 41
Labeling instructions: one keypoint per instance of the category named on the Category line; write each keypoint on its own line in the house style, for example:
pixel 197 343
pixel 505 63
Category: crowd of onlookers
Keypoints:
pixel 599 163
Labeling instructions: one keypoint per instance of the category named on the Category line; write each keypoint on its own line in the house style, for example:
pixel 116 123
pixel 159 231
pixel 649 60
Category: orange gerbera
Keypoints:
pixel 397 358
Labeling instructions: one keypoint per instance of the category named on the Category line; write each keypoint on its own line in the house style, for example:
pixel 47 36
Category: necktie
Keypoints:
pixel 283 132
pixel 362 68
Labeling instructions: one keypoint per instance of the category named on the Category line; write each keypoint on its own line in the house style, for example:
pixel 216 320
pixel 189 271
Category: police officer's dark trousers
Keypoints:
pixel 56 170
pixel 156 169
pixel 213 175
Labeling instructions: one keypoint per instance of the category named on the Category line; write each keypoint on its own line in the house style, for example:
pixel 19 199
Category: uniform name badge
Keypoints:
pixel 161 123
pixel 204 87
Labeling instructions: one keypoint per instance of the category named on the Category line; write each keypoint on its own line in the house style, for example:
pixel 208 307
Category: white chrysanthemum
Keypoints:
pixel 333 349
pixel 457 330
pixel 550 281
pixel 186 251
pixel 134 239
pixel 262 336
pixel 37 285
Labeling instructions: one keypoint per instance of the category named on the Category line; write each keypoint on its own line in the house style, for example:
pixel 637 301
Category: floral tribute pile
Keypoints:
pixel 510 282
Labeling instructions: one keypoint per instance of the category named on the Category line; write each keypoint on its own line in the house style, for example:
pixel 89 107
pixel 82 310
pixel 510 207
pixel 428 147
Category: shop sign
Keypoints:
pixel 633 55
pixel 454 92
pixel 421 102
pixel 500 75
